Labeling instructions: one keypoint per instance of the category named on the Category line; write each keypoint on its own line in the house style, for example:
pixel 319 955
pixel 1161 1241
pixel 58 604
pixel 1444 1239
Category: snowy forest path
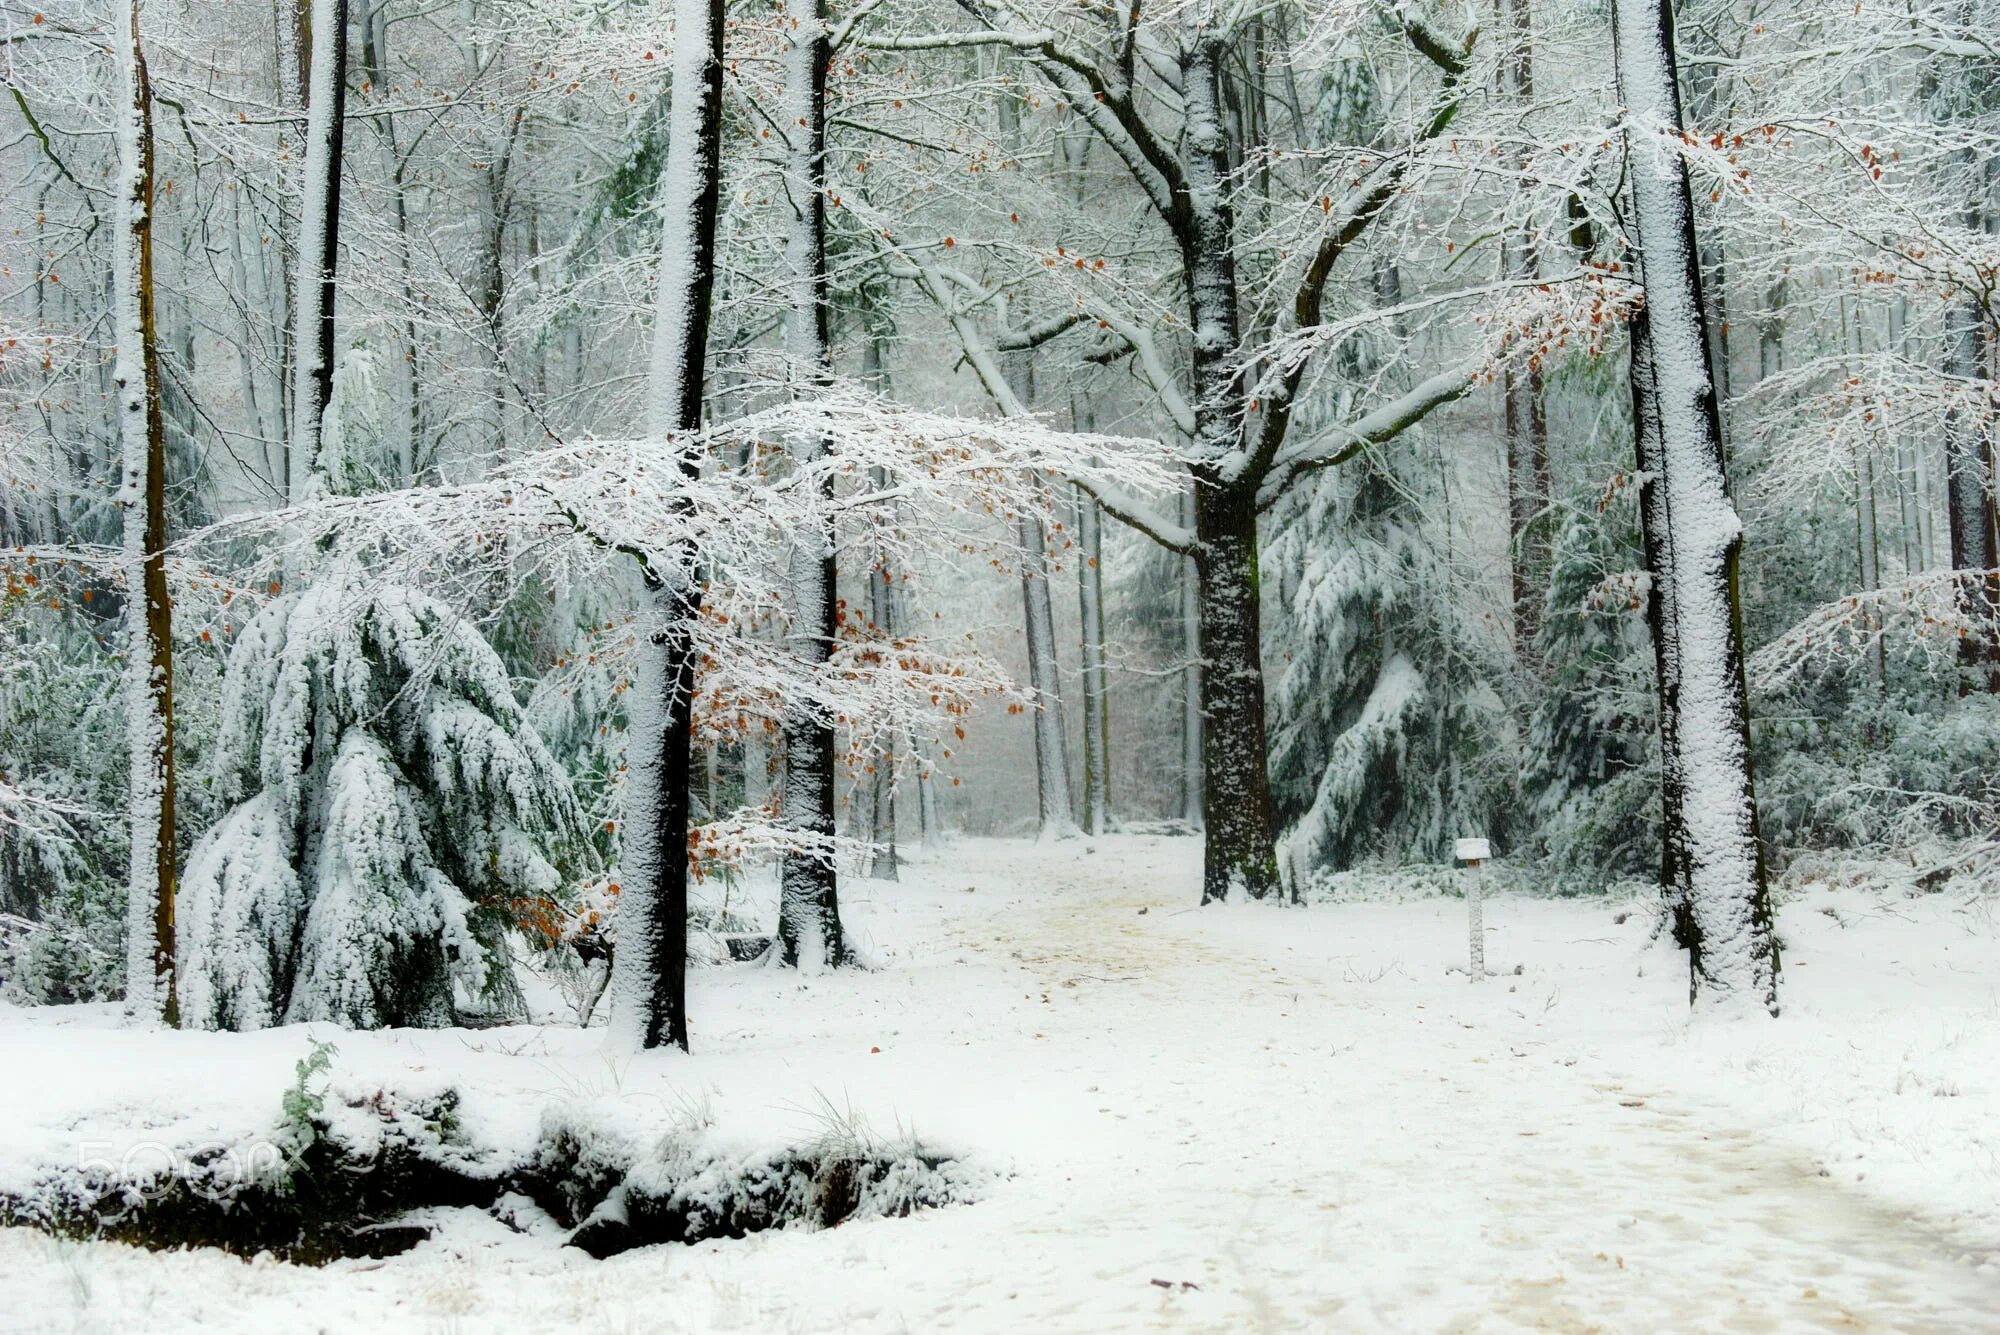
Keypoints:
pixel 1360 1141
pixel 1234 1118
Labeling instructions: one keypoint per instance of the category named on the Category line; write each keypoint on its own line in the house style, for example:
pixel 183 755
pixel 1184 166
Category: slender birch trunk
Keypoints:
pixel 649 970
pixel 142 499
pixel 1720 896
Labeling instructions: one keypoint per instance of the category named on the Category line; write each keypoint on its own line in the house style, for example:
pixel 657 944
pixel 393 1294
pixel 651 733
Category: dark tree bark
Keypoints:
pixel 1240 856
pixel 649 970
pixel 1696 538
pixel 1096 713
pixel 809 896
pixel 1969 508
pixel 1238 458
pixel 1521 386
pixel 319 243
pixel 1655 528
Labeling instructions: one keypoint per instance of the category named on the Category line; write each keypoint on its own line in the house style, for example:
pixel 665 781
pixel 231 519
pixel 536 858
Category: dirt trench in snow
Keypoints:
pixel 1403 1158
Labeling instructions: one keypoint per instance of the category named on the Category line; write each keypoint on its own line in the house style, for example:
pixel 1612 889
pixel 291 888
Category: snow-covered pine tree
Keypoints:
pixel 1389 734
pixel 1590 769
pixel 392 811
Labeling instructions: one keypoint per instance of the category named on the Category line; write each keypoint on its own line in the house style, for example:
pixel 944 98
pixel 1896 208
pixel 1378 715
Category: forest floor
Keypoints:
pixel 1240 1118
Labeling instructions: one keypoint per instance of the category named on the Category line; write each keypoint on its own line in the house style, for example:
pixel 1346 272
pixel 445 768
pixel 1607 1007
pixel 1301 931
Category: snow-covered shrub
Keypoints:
pixel 1889 774
pixel 393 812
pixel 1591 767
pixel 75 953
pixel 62 848
pixel 1388 736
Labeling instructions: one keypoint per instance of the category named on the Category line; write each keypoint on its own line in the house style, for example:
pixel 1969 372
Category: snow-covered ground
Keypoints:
pixel 1226 1119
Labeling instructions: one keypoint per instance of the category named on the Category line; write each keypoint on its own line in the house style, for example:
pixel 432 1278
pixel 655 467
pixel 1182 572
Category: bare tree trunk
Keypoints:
pixel 1656 529
pixel 884 610
pixel 1055 812
pixel 1240 853
pixel 142 497
pixel 1969 507
pixel 1719 867
pixel 882 783
pixel 1192 798
pixel 1521 388
pixel 410 455
pixel 319 246
pixel 1055 816
pixel 808 903
pixel 649 968
pixel 1096 714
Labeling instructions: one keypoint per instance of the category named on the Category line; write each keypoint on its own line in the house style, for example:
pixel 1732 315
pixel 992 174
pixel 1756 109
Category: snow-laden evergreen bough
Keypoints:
pixel 392 809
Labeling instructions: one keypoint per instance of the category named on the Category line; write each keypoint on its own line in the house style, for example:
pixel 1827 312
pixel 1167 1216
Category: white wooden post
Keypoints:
pixel 1473 853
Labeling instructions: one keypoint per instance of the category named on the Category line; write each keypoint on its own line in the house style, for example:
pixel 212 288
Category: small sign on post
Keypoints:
pixel 1474 853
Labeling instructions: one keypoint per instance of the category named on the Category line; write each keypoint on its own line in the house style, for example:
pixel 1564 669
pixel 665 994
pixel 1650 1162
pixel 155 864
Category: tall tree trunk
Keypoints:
pixel 808 902
pixel 1236 789
pixel 1055 815
pixel 1719 867
pixel 1241 854
pixel 1192 799
pixel 1096 714
pixel 1655 530
pixel 1521 385
pixel 882 783
pixel 1867 530
pixel 319 246
pixel 883 611
pixel 1055 812
pixel 374 56
pixel 649 970
pixel 1969 508
pixel 930 821
pixel 142 497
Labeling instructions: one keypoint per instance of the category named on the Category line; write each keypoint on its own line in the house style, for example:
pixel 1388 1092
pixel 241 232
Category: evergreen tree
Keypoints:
pixel 393 811
pixel 1590 769
pixel 1390 734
